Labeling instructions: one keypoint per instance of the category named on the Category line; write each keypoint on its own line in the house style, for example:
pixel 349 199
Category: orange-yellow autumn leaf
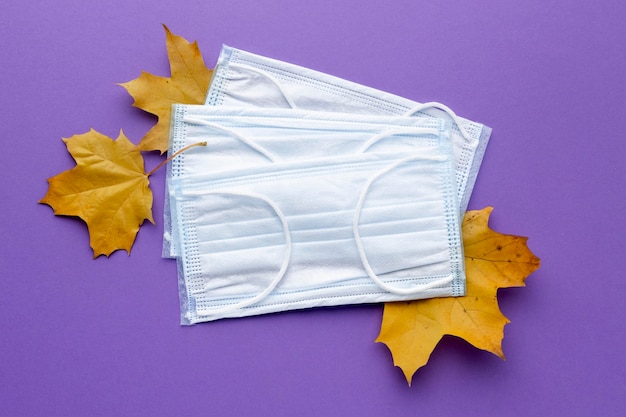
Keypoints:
pixel 188 84
pixel 411 330
pixel 107 188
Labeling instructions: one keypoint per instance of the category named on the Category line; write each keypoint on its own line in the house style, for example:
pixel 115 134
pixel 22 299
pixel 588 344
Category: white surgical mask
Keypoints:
pixel 242 79
pixel 245 138
pixel 356 228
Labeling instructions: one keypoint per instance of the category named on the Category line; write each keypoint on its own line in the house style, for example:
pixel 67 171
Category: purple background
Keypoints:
pixel 84 337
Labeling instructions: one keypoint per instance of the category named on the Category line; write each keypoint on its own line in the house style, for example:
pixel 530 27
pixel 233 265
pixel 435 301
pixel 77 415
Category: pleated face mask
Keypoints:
pixel 360 226
pixel 243 79
pixel 246 138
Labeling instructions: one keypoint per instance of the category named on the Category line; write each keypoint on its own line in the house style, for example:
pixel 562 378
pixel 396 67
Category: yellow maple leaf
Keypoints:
pixel 108 189
pixel 188 84
pixel 411 330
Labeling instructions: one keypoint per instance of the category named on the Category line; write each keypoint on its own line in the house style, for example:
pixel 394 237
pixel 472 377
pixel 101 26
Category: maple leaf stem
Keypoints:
pixel 175 155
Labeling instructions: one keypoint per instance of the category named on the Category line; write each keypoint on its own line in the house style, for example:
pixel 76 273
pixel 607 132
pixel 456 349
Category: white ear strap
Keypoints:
pixel 234 134
pixel 283 268
pixel 396 132
pixel 456 119
pixel 269 77
pixel 357 237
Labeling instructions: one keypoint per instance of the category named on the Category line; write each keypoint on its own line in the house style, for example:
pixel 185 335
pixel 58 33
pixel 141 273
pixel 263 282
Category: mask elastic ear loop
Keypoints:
pixel 357 236
pixel 283 267
pixel 269 77
pixel 394 132
pixel 234 134
pixel 456 119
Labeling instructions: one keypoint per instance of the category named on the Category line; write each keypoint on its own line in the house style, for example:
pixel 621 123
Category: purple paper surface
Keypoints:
pixel 84 337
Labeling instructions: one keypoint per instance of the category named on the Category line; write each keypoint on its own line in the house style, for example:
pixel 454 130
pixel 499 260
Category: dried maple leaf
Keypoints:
pixel 411 330
pixel 108 189
pixel 188 84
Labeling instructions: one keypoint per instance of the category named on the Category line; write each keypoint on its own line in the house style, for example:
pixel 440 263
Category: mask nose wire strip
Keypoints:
pixel 456 119
pixel 234 134
pixel 283 268
pixel 394 132
pixel 269 77
pixel 357 236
